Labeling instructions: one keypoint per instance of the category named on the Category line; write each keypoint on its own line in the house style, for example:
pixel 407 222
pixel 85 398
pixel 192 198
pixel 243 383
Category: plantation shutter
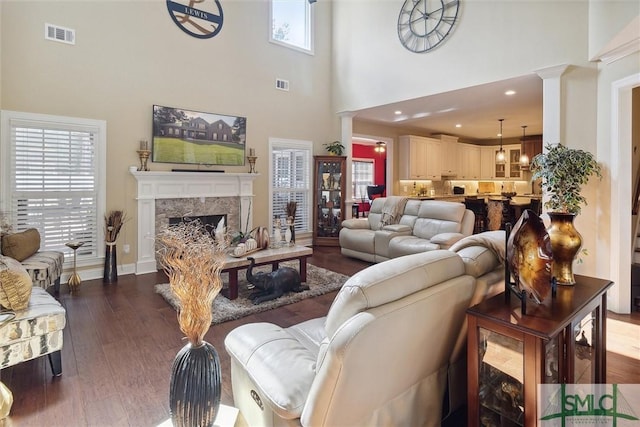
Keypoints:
pixel 291 176
pixel 54 183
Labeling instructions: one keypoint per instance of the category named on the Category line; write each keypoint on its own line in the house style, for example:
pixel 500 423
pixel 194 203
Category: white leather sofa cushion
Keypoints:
pixel 358 240
pixel 436 217
pixel 278 364
pixel 384 236
pixel 478 260
pixel 370 287
pixel 410 213
pixel 407 245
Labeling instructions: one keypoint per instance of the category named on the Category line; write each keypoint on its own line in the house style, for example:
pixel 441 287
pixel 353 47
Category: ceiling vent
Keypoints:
pixel 59 34
pixel 282 84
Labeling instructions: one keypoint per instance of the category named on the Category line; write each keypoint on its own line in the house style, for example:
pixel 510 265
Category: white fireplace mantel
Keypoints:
pixel 182 185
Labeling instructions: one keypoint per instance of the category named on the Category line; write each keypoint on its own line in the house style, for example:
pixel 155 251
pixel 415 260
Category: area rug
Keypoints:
pixel 319 280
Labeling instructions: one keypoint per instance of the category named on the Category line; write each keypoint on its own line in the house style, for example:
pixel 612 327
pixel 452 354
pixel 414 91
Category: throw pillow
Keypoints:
pixel 6 400
pixel 21 246
pixel 15 284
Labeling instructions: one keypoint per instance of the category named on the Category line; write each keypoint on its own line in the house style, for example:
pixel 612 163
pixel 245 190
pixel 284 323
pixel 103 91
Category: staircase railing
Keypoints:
pixel 634 213
pixel 636 196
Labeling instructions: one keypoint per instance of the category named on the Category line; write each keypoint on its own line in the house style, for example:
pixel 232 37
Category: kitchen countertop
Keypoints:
pixel 491 196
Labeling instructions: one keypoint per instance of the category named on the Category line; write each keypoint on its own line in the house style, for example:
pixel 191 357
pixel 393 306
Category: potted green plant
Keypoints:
pixel 564 171
pixel 335 148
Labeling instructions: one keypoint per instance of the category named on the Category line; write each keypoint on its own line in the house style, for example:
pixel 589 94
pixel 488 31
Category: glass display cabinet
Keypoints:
pixel 562 340
pixel 501 168
pixel 514 163
pixel 329 199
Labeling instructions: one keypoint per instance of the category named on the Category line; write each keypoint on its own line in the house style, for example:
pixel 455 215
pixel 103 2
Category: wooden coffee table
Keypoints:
pixel 266 256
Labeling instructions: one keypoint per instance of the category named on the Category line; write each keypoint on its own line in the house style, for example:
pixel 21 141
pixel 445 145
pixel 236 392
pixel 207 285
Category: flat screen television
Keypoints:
pixel 194 137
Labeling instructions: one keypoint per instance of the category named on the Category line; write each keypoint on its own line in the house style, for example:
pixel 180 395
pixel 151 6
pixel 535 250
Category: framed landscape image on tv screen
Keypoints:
pixel 194 137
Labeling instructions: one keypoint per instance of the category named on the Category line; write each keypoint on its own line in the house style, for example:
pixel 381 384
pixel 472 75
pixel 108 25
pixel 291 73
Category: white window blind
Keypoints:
pixel 54 183
pixel 291 181
pixel 361 176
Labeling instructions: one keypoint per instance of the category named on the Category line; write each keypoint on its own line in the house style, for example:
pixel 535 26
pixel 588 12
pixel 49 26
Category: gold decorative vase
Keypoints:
pixel 565 244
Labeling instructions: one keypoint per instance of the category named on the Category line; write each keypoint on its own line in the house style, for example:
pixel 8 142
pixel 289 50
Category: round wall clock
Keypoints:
pixel 425 24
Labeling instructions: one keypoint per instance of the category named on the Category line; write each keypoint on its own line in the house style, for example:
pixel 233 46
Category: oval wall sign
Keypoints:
pixel 198 18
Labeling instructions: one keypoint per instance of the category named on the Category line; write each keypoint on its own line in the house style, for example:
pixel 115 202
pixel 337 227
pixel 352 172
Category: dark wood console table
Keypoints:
pixel 562 340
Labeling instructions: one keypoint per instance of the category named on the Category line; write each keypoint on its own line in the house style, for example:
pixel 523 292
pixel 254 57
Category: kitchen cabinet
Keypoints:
pixel 470 161
pixel 489 169
pixel 328 199
pixel 487 162
pixel 532 147
pixel 449 153
pixel 420 158
pixel 561 341
pixel 513 160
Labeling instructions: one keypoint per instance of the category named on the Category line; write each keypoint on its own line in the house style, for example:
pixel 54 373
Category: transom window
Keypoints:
pixel 292 24
pixel 361 176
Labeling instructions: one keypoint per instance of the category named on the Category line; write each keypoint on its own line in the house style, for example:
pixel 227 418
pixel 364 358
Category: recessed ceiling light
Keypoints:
pixel 458 125
pixel 510 92
pixel 397 112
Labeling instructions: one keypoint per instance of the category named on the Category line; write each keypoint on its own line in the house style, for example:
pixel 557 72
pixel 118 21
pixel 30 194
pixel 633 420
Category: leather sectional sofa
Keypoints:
pixel 391 350
pixel 396 227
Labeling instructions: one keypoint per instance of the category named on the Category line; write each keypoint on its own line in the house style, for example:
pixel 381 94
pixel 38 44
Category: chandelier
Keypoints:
pixel 524 159
pixel 501 158
pixel 380 147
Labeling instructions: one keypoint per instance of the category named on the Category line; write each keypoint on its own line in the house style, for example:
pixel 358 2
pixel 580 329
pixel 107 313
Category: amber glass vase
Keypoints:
pixel 565 244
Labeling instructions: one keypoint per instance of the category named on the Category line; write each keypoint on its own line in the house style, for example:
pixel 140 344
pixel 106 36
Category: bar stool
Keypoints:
pixel 479 208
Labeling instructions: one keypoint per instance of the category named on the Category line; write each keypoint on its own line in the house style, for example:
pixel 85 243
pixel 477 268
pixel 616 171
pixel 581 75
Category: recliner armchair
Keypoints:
pixel 379 357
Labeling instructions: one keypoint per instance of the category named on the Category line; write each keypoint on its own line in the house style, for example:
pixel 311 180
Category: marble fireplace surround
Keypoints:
pixel 162 195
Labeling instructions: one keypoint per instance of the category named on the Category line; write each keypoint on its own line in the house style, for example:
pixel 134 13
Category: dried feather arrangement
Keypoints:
pixel 193 260
pixel 113 222
pixel 291 209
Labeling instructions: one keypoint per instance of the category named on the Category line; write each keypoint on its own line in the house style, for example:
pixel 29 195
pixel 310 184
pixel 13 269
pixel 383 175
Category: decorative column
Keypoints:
pixel 346 122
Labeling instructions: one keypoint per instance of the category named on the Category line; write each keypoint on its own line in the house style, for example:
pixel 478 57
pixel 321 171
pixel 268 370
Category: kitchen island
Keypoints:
pixel 500 210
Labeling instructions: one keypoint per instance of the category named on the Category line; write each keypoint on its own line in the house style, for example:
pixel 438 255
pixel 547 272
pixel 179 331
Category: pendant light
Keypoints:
pixel 524 159
pixel 381 147
pixel 501 158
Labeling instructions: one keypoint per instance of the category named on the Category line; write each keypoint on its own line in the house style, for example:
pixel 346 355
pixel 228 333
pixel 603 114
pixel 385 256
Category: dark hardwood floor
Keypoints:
pixel 121 339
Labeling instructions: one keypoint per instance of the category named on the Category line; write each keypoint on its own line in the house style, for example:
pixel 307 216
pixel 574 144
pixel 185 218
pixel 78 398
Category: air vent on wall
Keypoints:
pixel 282 84
pixel 59 34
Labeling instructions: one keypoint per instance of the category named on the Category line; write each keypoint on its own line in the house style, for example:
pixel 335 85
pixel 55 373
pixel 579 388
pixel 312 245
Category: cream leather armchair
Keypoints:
pixel 379 357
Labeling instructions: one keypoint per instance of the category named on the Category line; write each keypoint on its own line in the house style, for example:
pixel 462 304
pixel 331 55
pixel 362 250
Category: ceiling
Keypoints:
pixel 476 109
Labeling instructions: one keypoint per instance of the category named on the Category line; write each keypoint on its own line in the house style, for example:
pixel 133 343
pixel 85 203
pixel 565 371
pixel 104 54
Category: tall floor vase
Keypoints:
pixel 566 241
pixel 110 264
pixel 194 393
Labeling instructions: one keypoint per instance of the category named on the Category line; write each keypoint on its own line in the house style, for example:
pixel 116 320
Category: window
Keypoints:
pixel 361 176
pixel 290 171
pixel 291 24
pixel 53 179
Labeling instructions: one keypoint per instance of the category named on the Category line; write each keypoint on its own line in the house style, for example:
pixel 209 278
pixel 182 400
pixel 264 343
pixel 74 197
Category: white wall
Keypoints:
pixel 493 40
pixel 607 19
pixel 130 55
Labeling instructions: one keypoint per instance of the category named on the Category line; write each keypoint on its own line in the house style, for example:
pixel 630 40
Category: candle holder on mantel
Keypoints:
pixel 144 157
pixel 252 163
